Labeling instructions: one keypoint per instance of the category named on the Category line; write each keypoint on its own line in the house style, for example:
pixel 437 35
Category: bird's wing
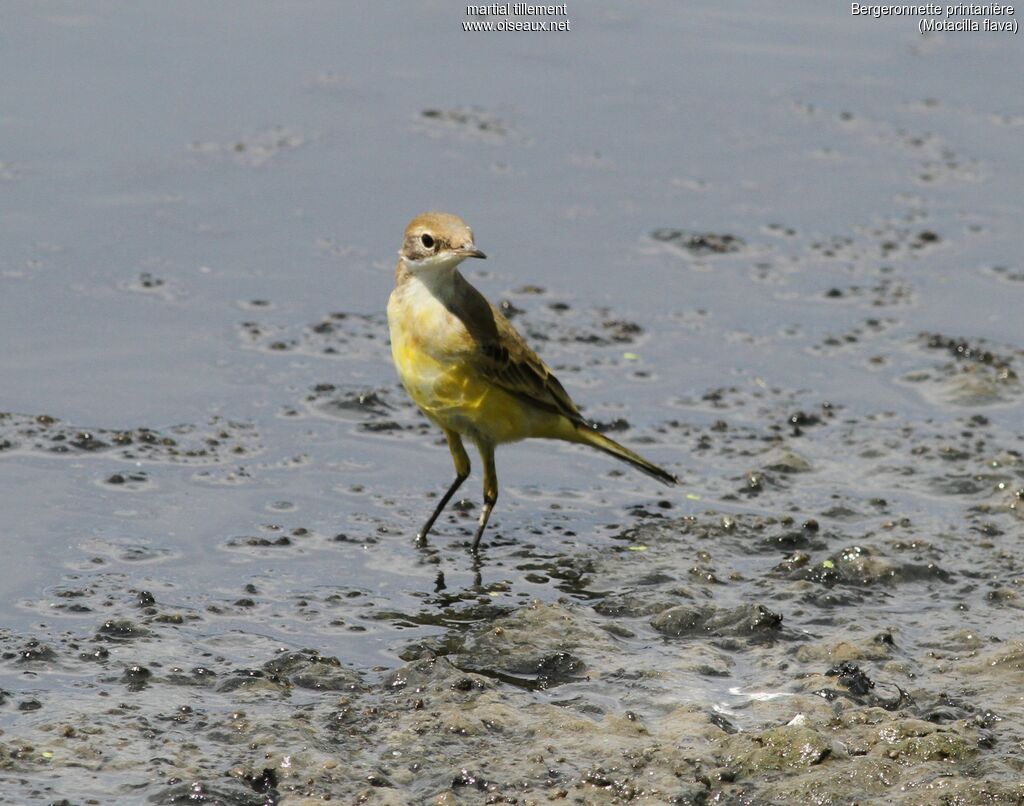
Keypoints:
pixel 508 362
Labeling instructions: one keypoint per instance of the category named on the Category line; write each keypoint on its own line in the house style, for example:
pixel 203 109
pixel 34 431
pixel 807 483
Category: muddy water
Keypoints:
pixel 775 248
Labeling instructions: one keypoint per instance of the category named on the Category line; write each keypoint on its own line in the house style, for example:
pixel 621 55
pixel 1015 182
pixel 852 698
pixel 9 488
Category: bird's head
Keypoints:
pixel 437 241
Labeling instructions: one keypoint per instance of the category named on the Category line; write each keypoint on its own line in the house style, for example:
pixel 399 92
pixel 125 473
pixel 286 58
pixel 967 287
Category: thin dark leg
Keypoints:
pixel 422 535
pixel 484 517
pixel 490 491
pixel 461 473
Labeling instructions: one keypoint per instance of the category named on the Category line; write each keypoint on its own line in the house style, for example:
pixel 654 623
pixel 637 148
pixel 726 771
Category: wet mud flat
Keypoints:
pixel 829 614
pixel 809 310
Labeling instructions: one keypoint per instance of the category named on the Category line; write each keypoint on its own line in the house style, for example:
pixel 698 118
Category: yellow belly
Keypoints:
pixel 443 383
pixel 434 355
pixel 454 397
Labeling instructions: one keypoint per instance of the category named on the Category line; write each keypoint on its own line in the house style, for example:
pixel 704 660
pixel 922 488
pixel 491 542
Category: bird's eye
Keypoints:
pixel 427 241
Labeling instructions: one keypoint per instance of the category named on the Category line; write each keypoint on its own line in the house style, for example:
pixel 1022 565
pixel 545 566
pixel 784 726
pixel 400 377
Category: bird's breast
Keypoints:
pixel 429 346
pixel 423 327
pixel 438 362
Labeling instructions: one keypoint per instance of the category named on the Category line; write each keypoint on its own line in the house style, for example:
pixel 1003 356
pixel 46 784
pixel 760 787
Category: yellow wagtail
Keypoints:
pixel 465 365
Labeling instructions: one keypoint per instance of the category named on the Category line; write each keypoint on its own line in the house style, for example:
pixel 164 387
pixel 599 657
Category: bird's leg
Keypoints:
pixel 490 490
pixel 421 536
pixel 461 472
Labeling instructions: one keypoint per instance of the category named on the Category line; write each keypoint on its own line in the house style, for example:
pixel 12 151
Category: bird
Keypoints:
pixel 469 370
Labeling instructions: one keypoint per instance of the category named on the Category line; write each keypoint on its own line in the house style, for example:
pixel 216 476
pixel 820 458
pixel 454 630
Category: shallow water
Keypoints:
pixel 774 247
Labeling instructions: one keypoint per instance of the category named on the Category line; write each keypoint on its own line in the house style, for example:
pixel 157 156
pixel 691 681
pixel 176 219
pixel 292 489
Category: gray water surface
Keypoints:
pixel 774 247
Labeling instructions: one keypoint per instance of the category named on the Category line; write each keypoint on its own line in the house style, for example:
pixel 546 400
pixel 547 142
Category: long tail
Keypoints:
pixel 588 436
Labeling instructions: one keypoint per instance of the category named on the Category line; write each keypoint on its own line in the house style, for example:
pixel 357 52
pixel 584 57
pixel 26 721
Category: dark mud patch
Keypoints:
pixel 699 243
pixel 152 284
pixel 256 149
pixel 339 334
pixel 131 481
pixel 468 123
pixel 1007 274
pixel 980 374
pixel 357 403
pixel 688 621
pixel 217 441
pixel 386 412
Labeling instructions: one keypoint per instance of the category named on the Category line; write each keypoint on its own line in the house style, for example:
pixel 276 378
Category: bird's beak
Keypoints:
pixel 470 251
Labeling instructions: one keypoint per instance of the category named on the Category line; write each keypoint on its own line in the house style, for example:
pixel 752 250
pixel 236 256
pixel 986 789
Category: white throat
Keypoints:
pixel 436 275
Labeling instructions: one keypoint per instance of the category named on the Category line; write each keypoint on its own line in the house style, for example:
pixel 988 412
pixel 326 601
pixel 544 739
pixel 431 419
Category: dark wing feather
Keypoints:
pixel 503 357
pixel 507 361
